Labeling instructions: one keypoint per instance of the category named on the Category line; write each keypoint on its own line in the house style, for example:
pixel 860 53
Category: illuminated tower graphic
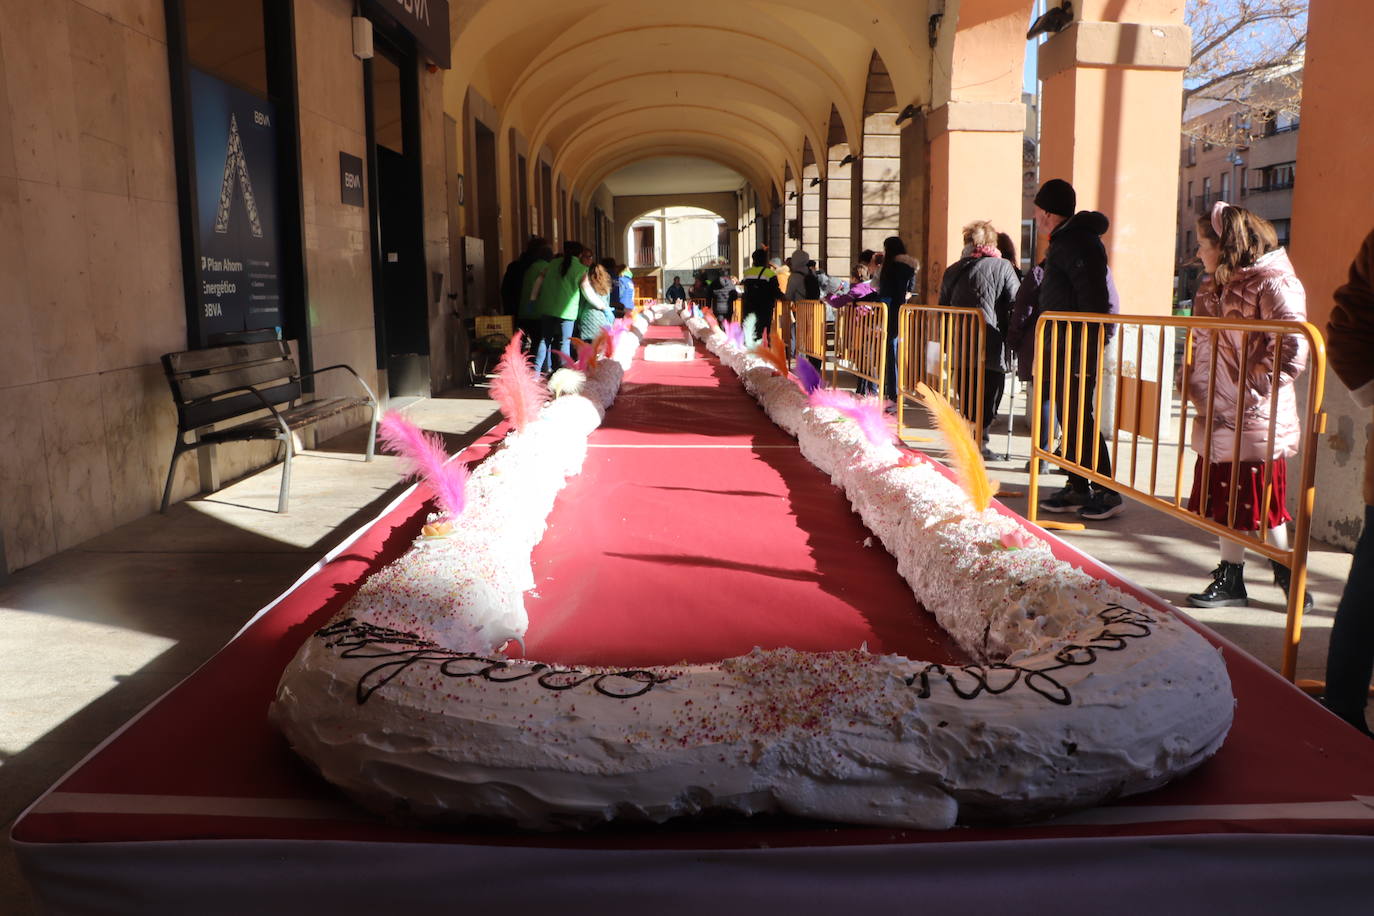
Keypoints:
pixel 235 163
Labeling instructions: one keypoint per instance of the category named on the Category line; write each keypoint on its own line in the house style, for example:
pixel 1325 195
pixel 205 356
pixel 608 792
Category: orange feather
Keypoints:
pixel 964 452
pixel 778 353
pixel 602 346
pixel 773 351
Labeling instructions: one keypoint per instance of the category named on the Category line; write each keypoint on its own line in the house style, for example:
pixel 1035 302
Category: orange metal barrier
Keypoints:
pixel 811 328
pixel 774 329
pixel 1143 415
pixel 944 348
pixel 861 343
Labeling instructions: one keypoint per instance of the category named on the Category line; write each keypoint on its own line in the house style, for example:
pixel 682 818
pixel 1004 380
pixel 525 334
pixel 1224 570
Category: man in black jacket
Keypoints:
pixel 515 276
pixel 1075 280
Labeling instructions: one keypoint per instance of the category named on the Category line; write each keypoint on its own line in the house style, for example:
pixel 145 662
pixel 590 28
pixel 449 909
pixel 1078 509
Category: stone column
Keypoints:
pixel 878 181
pixel 913 205
pixel 811 211
pixel 1111 110
pixel 839 243
pixel 1110 116
pixel 1333 210
pixel 975 173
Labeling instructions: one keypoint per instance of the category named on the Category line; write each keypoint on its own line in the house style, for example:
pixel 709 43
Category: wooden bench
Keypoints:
pixel 220 384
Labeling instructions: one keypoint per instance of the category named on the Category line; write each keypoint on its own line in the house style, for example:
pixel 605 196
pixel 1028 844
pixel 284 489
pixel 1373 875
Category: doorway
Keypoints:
pixel 488 217
pixel 399 300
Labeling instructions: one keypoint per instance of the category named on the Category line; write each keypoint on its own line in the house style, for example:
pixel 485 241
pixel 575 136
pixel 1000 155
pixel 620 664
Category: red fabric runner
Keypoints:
pixel 663 550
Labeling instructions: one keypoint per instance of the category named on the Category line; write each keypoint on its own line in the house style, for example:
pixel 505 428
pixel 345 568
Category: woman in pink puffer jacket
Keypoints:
pixel 1250 277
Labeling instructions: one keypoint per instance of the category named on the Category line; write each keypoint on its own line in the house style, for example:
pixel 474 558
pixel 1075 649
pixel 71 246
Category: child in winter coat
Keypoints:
pixel 1250 277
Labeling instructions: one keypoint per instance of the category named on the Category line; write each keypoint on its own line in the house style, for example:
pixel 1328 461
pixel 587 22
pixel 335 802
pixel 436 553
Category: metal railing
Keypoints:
pixel 1068 339
pixel 944 347
pixel 861 343
pixel 812 333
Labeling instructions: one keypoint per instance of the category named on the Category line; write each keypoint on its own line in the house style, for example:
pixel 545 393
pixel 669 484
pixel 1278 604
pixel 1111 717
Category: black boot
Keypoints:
pixel 1282 576
pixel 1227 588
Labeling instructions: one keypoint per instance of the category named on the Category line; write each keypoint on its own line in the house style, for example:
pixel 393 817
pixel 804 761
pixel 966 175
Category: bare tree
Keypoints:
pixel 1247 58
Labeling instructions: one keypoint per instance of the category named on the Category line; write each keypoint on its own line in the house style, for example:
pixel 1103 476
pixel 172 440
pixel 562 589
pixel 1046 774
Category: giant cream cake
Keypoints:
pixel 1079 694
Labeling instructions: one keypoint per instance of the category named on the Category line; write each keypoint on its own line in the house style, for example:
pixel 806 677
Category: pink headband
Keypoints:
pixel 1217 209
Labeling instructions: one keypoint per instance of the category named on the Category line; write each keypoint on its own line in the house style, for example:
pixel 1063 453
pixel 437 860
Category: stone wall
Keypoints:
pixel 90 271
pixel 338 256
pixel 90 259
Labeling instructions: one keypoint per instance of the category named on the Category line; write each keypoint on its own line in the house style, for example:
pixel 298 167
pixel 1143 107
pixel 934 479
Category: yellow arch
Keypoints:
pixel 633 153
pixel 605 127
pixel 604 95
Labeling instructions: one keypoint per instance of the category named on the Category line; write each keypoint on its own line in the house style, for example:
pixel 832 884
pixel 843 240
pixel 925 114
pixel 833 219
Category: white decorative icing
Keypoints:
pixel 1081 693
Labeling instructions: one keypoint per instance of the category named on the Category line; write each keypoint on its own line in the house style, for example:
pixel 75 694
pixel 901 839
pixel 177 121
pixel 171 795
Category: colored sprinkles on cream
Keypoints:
pixel 1079 694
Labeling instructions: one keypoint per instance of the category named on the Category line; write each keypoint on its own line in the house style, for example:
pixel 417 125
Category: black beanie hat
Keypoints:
pixel 1057 196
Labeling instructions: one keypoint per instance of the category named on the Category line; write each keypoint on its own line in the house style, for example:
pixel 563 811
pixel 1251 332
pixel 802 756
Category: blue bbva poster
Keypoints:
pixel 235 139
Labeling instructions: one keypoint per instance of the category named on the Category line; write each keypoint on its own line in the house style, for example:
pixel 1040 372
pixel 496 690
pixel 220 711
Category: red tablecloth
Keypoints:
pixel 695 531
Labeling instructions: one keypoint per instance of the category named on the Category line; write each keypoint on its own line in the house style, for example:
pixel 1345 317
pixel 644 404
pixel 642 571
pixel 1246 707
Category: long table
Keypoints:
pixel 696 530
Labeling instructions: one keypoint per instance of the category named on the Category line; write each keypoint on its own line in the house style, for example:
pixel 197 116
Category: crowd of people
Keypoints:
pixel 1241 386
pixel 556 298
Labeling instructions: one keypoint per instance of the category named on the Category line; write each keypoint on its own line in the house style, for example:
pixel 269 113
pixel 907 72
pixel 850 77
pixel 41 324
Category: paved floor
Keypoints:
pixel 97 632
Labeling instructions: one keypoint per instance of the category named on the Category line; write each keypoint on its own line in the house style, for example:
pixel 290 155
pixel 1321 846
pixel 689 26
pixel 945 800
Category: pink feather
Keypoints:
pixel 517 388
pixel 735 333
pixel 831 397
pixel 867 412
pixel 423 455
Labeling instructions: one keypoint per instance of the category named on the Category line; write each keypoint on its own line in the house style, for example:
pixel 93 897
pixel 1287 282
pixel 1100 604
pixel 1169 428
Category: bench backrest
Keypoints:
pixel 202 381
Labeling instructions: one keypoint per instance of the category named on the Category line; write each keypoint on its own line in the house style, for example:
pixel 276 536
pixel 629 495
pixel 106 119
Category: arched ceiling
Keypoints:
pixel 672 175
pixel 744 83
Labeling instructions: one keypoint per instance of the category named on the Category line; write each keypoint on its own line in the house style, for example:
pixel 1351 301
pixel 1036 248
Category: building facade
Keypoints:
pixel 174 173
pixel 1229 153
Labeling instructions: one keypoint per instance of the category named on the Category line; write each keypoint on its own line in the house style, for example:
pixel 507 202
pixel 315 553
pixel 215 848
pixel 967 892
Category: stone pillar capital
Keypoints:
pixel 1125 45
pixel 999 117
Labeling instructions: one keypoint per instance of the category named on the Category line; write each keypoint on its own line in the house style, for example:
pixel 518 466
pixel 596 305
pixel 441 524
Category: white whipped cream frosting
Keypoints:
pixel 1083 693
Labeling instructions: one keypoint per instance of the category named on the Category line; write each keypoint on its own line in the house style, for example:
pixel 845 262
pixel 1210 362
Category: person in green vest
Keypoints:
pixel 526 317
pixel 560 295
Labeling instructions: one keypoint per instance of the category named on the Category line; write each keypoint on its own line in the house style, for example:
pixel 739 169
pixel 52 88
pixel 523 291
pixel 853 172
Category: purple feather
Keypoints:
pixel 807 376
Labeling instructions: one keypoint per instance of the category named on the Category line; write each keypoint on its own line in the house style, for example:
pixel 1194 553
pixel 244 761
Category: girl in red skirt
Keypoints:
pixel 1250 276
